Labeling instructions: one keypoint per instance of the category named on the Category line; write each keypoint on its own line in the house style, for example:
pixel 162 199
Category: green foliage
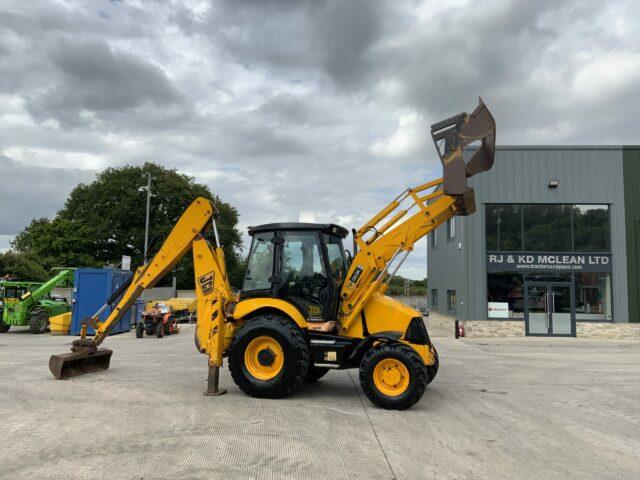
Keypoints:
pixel 400 286
pixel 105 219
pixel 22 266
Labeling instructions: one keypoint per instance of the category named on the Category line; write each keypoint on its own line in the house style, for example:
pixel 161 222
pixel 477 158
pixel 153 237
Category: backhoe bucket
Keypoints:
pixel 451 136
pixel 73 364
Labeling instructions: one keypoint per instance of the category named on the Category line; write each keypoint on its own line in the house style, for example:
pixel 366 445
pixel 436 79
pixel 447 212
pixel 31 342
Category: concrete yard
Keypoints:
pixel 499 409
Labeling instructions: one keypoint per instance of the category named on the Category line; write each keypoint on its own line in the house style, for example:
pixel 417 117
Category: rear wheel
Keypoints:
pixel 315 373
pixel 393 376
pixel 269 357
pixel 39 321
pixel 139 330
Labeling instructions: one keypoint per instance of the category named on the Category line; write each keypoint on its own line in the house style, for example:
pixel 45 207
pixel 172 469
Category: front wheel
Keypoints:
pixel 39 321
pixel 269 357
pixel 393 376
pixel 159 330
pixel 432 370
pixel 139 330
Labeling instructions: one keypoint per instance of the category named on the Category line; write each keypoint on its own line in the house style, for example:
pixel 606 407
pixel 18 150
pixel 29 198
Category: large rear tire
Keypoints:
pixel 4 328
pixel 39 321
pixel 393 376
pixel 269 357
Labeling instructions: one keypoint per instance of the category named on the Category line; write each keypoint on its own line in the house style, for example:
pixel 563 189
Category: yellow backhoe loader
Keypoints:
pixel 305 306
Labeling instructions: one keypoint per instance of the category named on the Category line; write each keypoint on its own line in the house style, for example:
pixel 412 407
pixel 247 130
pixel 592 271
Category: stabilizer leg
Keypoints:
pixel 212 382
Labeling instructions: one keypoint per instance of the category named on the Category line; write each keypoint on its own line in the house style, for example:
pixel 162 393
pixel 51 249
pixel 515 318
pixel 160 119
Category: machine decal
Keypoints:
pixel 206 283
pixel 355 276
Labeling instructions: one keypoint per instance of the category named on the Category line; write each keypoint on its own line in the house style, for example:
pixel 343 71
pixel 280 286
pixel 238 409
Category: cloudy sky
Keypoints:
pixel 297 110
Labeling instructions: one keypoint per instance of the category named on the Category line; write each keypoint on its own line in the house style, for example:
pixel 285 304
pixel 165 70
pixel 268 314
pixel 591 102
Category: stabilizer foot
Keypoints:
pixel 212 383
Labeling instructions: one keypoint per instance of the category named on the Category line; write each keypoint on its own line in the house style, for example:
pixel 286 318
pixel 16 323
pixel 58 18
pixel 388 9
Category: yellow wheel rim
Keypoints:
pixel 391 377
pixel 263 358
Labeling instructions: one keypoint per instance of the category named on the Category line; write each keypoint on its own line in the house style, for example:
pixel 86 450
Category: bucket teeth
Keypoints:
pixel 73 364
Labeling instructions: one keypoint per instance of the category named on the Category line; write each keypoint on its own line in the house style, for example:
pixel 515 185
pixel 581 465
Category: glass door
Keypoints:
pixel 560 310
pixel 537 311
pixel 549 309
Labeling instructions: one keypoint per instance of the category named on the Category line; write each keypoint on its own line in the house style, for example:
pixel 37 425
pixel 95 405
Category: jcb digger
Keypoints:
pixel 305 306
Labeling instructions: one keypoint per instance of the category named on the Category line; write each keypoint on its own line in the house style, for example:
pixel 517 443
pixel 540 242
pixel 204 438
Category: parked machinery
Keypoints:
pixel 306 307
pixel 158 320
pixel 29 303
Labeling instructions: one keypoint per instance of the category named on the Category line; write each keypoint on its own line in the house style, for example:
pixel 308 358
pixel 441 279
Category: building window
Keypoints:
pixel 451 301
pixel 593 296
pixel 505 295
pixel 504 228
pixel 547 228
pixel 434 239
pixel 591 228
pixel 434 299
pixel 451 229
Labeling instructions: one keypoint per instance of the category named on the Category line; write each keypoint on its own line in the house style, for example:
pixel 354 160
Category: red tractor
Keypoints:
pixel 158 320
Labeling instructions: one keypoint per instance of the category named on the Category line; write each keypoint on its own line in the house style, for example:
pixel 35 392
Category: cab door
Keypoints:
pixel 301 273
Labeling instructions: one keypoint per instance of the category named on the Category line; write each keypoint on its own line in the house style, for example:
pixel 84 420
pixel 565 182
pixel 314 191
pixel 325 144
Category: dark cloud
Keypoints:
pixel 30 191
pixel 95 78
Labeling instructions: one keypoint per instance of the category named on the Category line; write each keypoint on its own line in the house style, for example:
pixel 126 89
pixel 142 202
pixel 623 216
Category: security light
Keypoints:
pixel 554 183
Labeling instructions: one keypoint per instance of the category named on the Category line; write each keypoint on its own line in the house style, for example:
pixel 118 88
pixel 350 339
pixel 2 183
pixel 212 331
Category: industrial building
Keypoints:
pixel 552 250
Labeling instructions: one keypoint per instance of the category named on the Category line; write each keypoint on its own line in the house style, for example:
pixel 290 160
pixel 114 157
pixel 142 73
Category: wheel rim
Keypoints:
pixel 264 358
pixel 391 377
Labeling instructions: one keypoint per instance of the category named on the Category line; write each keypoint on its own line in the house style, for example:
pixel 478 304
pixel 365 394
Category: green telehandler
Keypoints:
pixel 29 304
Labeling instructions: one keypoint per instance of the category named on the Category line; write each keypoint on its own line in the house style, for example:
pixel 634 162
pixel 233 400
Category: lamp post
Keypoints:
pixel 146 223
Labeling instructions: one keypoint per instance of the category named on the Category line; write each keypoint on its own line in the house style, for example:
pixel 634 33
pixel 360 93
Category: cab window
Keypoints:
pixel 303 278
pixel 260 263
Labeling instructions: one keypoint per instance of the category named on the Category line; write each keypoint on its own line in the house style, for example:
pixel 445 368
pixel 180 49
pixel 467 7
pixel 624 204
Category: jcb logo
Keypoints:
pixel 355 276
pixel 206 283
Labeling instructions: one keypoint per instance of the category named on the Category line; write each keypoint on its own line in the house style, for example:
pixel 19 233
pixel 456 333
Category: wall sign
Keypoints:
pixel 513 262
pixel 498 309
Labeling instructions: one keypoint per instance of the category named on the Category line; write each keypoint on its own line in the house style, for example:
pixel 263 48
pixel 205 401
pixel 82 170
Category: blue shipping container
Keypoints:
pixel 91 289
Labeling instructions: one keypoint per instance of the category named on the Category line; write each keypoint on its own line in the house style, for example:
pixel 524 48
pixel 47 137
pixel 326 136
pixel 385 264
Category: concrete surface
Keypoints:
pixel 499 409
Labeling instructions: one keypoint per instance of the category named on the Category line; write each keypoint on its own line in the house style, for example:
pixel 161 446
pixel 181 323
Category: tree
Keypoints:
pixel 105 219
pixel 22 267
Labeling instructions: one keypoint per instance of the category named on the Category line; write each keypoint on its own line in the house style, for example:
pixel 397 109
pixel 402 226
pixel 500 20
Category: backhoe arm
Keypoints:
pixel 389 236
pixel 212 291
pixel 43 290
pixel 178 243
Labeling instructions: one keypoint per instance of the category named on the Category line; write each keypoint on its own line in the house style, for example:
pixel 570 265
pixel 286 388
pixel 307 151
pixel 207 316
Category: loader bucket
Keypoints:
pixel 451 136
pixel 69 365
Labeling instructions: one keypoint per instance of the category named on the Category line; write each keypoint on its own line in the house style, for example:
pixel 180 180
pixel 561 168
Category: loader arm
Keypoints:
pixel 386 240
pixel 212 291
pixel 65 275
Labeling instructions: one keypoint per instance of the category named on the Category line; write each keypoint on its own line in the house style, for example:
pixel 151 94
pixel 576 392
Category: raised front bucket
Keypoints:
pixel 450 136
pixel 69 365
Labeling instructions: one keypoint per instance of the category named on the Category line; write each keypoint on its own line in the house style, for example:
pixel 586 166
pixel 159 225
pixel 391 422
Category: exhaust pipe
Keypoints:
pixel 450 136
